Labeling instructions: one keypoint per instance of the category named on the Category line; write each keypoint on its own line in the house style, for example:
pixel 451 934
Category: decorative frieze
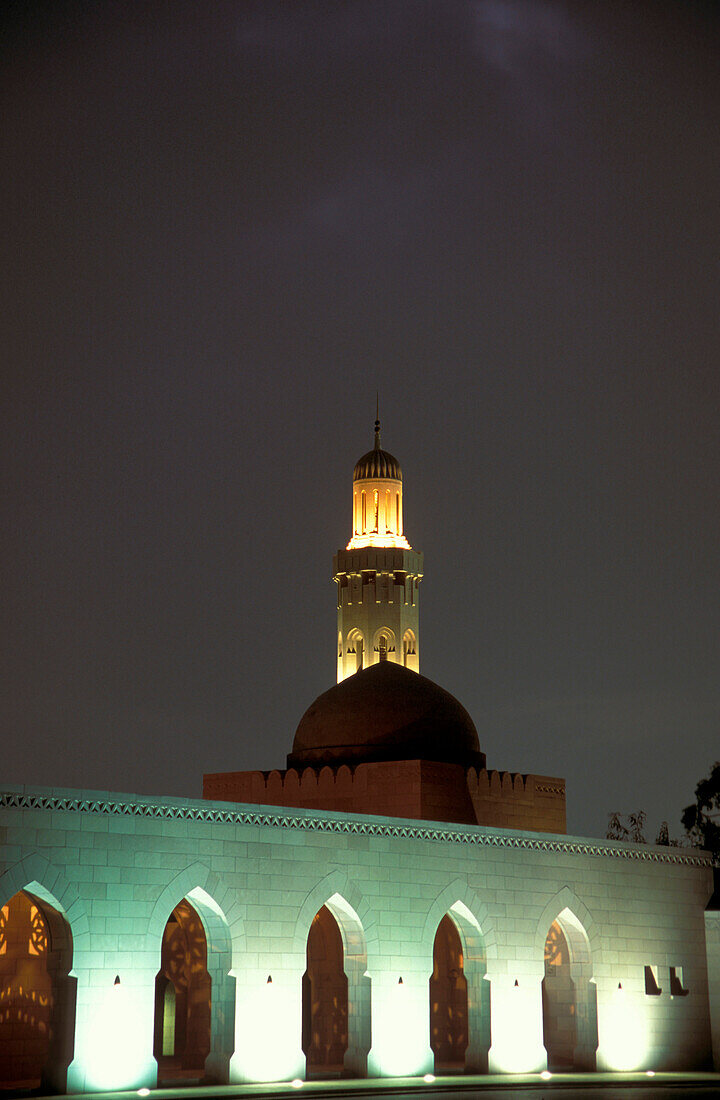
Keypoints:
pixel 471 836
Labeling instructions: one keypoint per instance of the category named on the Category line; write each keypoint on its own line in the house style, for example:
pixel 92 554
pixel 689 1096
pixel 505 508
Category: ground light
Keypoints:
pixel 296 1083
pixel 546 1075
pixel 429 1078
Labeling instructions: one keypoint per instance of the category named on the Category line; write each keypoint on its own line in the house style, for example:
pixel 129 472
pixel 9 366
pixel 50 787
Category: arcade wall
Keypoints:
pixel 113 867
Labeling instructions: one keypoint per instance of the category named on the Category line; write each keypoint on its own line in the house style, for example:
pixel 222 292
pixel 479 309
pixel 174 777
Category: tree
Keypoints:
pixel 702 818
pixel 631 829
pixel 628 827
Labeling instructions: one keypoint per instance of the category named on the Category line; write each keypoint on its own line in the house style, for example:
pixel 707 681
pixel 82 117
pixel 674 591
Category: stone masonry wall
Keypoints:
pixel 116 865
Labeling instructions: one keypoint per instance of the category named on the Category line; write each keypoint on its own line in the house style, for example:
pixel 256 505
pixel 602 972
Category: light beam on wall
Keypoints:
pixel 401 1025
pixel 119 1041
pixel 517 1042
pixel 267 1046
pixel 623 1032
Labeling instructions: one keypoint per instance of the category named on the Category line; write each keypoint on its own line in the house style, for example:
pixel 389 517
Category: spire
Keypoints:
pixel 377 421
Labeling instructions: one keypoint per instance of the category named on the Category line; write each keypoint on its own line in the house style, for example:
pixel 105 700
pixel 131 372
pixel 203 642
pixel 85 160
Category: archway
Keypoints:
pixel 383 645
pixel 409 650
pixel 464 917
pixel 325 998
pixel 183 990
pixel 355 652
pixel 448 1000
pixel 37 994
pixel 569 998
pixel 334 891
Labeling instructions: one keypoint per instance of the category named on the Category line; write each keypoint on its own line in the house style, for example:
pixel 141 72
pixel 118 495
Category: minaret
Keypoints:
pixel 378 574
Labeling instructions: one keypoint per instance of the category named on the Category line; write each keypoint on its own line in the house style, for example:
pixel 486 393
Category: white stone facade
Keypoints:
pixel 116 865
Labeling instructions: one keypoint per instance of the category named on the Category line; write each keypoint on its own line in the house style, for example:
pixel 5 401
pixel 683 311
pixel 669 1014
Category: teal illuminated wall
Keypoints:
pixel 117 865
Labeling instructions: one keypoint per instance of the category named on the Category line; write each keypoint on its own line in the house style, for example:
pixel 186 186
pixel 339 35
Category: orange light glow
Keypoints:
pixel 399 542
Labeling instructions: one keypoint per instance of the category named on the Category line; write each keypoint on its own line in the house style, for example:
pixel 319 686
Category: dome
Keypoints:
pixel 377 463
pixel 385 712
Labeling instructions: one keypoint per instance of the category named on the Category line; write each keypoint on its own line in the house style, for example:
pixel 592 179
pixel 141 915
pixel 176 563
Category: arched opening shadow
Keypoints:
pixel 194 994
pixel 459 995
pixel 448 1001
pixel 37 994
pixel 569 996
pixel 336 994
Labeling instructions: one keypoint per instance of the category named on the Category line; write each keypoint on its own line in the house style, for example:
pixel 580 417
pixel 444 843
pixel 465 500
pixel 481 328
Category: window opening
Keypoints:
pixel 677 988
pixel 652 989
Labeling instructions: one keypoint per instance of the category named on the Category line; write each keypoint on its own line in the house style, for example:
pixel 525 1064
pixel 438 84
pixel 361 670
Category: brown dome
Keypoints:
pixel 385 712
pixel 375 464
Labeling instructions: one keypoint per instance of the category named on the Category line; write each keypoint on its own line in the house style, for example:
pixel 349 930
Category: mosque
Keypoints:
pixel 384 906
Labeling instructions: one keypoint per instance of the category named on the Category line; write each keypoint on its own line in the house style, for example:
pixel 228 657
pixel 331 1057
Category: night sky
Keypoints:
pixel 224 227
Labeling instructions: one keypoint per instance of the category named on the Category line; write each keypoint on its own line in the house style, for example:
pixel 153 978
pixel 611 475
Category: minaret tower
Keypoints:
pixel 378 574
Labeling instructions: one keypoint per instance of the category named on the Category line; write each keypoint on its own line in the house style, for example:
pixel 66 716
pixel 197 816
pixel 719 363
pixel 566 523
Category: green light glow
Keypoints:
pixel 118 1047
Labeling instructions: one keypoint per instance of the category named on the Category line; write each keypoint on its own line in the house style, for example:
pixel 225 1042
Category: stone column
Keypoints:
pixel 359 1022
pixel 114 1031
pixel 516 1023
pixel 479 1022
pixel 400 1026
pixel 268 1026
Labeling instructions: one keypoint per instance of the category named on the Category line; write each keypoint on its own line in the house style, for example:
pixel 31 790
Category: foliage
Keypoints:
pixel 631 829
pixel 628 827
pixel 702 818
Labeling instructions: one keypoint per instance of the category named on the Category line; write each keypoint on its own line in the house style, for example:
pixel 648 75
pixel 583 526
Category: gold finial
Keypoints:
pixel 377 420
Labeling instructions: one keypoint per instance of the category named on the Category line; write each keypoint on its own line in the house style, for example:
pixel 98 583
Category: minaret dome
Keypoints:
pixel 377 500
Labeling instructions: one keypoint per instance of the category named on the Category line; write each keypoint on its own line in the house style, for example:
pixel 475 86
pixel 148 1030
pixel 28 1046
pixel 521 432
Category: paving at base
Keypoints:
pixel 612 1086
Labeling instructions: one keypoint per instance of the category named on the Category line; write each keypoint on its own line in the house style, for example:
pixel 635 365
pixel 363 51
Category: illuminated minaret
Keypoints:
pixel 378 574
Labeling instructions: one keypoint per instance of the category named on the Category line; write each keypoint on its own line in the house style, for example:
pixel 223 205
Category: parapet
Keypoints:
pixel 417 789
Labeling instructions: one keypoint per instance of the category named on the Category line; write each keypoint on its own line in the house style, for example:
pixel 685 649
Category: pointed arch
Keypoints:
pixel 384 643
pixel 65 917
pixel 37 875
pixel 224 933
pixel 569 995
pixel 579 917
pixel 409 649
pixel 467 908
pixel 470 918
pixel 213 894
pixel 355 651
pixel 347 906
